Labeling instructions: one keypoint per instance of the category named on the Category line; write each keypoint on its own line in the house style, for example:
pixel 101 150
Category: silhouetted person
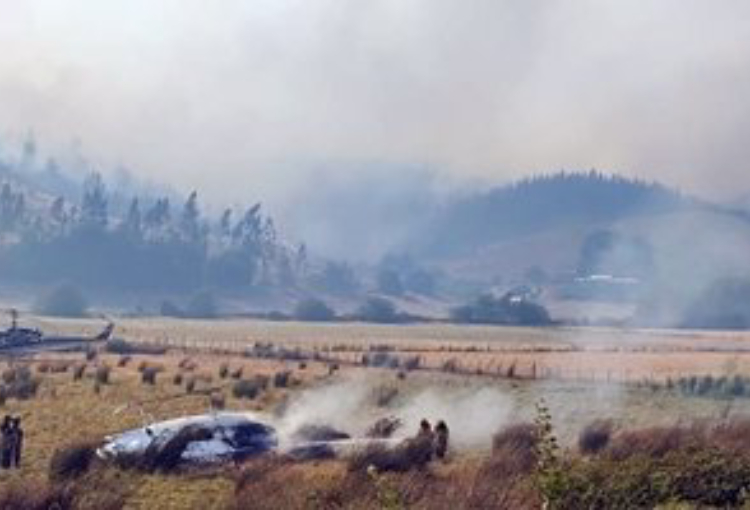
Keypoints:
pixel 425 439
pixel 425 429
pixel 6 442
pixel 441 439
pixel 17 442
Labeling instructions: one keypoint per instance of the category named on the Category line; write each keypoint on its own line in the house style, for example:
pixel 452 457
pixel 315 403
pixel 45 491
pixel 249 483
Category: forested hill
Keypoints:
pixel 54 229
pixel 542 203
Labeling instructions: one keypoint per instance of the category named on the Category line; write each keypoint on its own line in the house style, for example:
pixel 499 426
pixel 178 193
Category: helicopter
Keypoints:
pixel 17 338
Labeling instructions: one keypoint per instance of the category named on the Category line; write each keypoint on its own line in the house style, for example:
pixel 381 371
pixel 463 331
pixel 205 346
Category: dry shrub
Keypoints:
pixel 53 367
pixel 412 363
pixel 123 361
pixel 595 437
pixel 410 454
pixel 248 389
pixel 266 484
pixel 16 373
pixel 281 379
pixel 35 495
pixel 451 366
pixel 237 373
pixel 223 371
pixel 514 450
pixel 190 385
pixel 733 435
pixel 653 442
pixel 217 401
pixel 256 470
pixel 148 375
pixel 101 376
pixel 384 428
pixel 19 383
pixel 177 379
pixel 489 489
pixel 72 461
pixel 78 372
pixel 263 381
pixel 187 364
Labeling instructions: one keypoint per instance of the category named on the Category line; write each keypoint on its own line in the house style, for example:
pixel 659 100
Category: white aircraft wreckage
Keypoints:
pixel 200 439
pixel 222 437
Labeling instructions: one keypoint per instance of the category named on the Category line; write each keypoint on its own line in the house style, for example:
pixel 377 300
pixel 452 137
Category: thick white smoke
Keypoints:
pixel 472 414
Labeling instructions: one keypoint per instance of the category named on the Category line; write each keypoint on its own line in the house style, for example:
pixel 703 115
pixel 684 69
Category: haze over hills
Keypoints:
pixel 396 234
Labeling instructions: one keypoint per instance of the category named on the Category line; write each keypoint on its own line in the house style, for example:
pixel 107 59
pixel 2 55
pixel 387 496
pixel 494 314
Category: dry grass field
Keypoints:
pixel 561 353
pixel 462 377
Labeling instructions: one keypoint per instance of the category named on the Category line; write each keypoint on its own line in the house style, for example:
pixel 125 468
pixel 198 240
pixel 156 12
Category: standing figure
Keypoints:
pixel 6 442
pixel 425 440
pixel 441 439
pixel 425 429
pixel 17 437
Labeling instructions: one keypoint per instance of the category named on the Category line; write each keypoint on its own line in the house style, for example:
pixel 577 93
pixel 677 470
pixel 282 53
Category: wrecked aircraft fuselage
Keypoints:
pixel 200 439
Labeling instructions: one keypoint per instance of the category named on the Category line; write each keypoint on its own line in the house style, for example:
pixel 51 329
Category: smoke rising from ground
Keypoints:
pixel 472 414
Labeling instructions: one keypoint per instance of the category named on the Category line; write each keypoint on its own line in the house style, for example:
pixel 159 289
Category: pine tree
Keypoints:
pixel 94 207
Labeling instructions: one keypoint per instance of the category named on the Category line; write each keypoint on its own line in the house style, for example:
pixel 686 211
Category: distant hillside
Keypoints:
pixel 537 205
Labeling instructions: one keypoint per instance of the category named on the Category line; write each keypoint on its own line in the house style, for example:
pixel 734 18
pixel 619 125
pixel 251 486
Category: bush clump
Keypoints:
pixel 223 371
pixel 313 309
pixel 72 461
pixel 65 300
pixel 148 375
pixel 595 437
pixel 281 379
pixel 654 442
pixel 248 389
pixel 379 310
pixel 508 309
pixel 101 376
pixel 414 453
pixel 19 383
pixel 79 371
pixel 35 495
pixel 514 449
pixel 202 306
pixel 702 478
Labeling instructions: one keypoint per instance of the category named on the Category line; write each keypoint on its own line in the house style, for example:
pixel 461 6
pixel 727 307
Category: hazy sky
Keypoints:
pixel 240 98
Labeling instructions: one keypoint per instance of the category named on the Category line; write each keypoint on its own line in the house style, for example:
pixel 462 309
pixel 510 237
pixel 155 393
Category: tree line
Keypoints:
pixel 153 245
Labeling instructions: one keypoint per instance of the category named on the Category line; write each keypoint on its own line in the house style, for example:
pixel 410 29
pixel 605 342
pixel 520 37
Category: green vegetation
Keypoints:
pixel 65 300
pixel 509 309
pixel 313 309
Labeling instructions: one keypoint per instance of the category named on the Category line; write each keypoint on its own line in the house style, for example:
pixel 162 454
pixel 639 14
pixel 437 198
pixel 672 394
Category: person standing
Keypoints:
pixel 17 439
pixel 441 439
pixel 6 442
pixel 425 440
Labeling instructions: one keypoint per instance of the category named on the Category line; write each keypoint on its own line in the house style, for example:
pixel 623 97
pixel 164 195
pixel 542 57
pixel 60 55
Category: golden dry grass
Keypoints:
pixel 565 362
